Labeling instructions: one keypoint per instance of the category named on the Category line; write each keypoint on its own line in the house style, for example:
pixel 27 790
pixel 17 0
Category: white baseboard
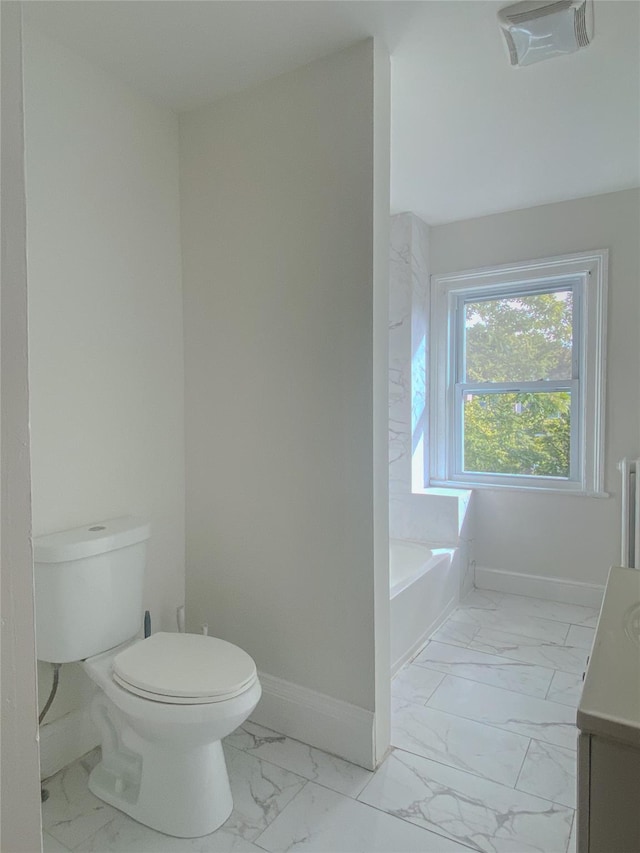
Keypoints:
pixel 417 646
pixel 298 712
pixel 65 740
pixel 537 586
pixel 316 719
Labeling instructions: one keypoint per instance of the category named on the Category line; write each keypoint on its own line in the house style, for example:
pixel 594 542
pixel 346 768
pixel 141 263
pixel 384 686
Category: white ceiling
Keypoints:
pixel 470 134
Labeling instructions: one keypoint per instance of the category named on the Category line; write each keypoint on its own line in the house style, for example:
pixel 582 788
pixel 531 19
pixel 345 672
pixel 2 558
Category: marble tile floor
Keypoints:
pixel 483 758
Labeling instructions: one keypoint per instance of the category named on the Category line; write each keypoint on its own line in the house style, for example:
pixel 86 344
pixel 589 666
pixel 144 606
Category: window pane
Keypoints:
pixel 517 433
pixel 519 338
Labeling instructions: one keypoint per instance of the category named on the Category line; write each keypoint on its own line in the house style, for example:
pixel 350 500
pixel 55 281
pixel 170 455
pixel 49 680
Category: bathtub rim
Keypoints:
pixel 436 552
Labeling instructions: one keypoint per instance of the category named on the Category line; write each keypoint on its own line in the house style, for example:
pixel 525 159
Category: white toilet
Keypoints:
pixel 165 702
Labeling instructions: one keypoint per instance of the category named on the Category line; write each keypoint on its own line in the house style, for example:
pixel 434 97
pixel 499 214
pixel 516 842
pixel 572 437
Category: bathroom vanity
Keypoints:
pixel 609 722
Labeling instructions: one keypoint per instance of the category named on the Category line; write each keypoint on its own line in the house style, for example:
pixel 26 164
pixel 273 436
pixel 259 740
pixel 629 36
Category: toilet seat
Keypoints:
pixel 184 669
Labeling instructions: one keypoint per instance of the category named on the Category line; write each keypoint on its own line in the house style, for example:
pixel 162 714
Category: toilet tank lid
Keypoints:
pixel 90 539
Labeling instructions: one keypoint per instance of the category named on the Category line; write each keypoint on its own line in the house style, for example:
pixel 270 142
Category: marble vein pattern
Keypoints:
pixel 580 636
pixel 415 684
pixel 481 759
pixel 575 614
pixel 529 650
pixel 124 835
pixel 573 838
pixel 487 668
pixel 455 633
pixel 260 792
pixel 306 761
pixel 72 813
pixel 319 820
pixel 549 772
pixel 482 599
pixel 475 812
pixel 408 379
pixel 504 620
pixel 52 845
pixel 566 688
pixel 457 742
pixel 399 340
pixel 524 715
pixel 91 759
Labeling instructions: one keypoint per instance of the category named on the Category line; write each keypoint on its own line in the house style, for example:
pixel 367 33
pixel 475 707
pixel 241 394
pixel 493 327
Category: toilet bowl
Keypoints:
pixel 164 703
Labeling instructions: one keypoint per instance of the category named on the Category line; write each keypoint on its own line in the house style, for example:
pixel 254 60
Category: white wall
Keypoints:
pixel 20 819
pixel 381 230
pixel 574 538
pixel 439 517
pixel 408 379
pixel 278 236
pixel 105 313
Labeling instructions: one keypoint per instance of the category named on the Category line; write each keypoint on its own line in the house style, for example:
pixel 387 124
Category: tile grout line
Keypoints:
pixel 546 618
pixel 522 765
pixel 83 814
pixel 547 800
pixel 396 698
pixel 466 773
pixel 461 770
pixel 479 775
pixel 506 690
pixel 356 796
pixel 555 669
pixel 80 844
pixel 441 834
pixel 508 661
pixel 575 818
pixel 553 746
pixel 262 832
pixel 548 600
pixel 300 776
pixel 515 633
pixel 434 639
pixel 488 684
pixel 366 805
pixel 550 683
pixel 64 846
pixel 510 731
pixel 485 778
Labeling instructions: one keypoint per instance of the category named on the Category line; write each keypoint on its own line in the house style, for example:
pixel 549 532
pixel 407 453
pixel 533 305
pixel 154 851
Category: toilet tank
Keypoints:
pixel 88 588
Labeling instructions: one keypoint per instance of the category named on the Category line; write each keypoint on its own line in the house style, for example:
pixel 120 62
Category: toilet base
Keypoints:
pixel 181 793
pixel 163 763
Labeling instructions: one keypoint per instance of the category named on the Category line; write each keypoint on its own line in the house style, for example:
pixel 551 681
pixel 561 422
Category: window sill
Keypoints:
pixel 451 490
pixel 508 487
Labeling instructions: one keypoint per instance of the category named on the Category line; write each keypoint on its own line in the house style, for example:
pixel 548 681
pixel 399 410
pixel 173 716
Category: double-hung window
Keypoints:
pixel 518 375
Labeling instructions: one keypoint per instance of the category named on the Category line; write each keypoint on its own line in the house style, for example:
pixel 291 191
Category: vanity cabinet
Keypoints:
pixel 608 796
pixel 608 813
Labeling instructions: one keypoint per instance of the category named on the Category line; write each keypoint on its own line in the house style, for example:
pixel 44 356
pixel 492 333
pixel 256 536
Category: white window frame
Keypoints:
pixel 586 274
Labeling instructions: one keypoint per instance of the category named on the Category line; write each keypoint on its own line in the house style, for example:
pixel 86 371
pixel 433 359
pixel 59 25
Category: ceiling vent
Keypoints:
pixel 541 30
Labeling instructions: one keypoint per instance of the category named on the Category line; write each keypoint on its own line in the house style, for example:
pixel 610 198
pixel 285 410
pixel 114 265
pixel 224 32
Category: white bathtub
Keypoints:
pixel 424 587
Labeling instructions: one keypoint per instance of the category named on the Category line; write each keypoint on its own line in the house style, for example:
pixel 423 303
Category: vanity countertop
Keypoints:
pixel 610 703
